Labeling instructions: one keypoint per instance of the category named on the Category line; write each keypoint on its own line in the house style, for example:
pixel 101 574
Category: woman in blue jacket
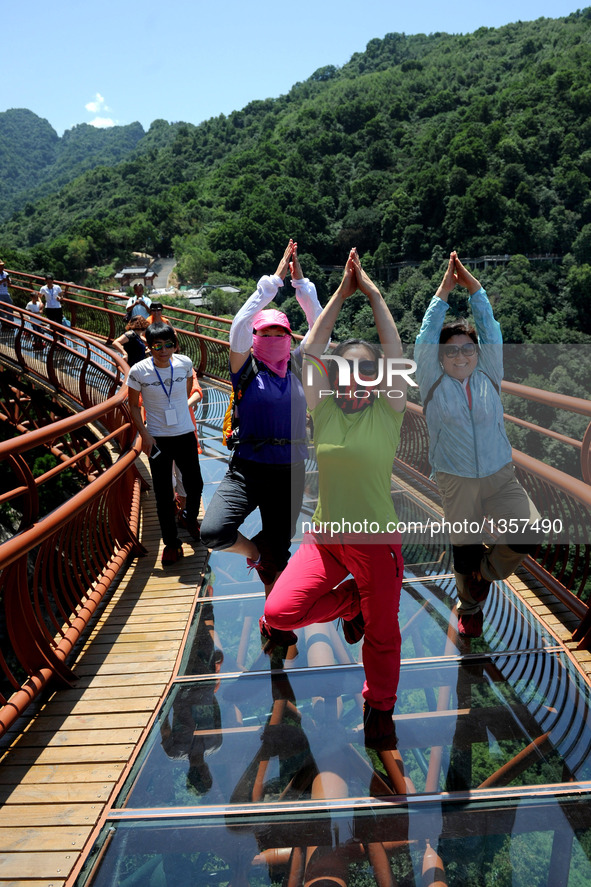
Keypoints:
pixel 459 371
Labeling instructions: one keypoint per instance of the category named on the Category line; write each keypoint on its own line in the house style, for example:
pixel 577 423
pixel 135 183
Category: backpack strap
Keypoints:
pixel 231 419
pixel 249 371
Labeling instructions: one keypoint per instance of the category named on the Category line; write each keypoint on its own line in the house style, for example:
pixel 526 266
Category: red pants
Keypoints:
pixel 308 591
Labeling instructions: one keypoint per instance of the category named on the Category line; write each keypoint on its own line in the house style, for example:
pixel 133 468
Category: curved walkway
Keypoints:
pixel 56 777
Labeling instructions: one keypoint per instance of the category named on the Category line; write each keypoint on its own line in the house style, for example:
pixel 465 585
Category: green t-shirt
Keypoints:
pixel 355 453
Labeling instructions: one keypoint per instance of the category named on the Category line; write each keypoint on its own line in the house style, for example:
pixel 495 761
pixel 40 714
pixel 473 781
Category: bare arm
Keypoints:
pixel 195 395
pixel 319 336
pixel 324 324
pixel 117 344
pixel 387 333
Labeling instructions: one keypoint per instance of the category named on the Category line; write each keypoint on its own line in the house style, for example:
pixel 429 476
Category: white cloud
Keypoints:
pixel 102 122
pixel 97 105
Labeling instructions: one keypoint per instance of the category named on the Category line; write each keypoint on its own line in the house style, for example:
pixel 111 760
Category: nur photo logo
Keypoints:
pixel 383 371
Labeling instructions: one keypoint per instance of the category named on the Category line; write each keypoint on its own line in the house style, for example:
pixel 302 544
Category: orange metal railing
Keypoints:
pixel 57 566
pixel 103 313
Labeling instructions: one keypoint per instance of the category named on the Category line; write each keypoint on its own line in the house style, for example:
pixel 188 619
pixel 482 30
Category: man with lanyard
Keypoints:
pixel 164 381
pixel 4 294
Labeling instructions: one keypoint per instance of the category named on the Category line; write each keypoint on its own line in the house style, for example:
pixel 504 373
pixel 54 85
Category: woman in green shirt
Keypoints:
pixel 357 424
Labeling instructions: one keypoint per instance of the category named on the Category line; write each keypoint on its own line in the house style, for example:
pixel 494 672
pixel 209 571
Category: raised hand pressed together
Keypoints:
pixel 268 439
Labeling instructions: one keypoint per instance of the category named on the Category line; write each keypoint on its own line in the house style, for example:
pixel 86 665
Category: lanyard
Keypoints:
pixel 168 393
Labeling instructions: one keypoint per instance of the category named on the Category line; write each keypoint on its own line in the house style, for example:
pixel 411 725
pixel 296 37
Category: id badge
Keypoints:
pixel 170 416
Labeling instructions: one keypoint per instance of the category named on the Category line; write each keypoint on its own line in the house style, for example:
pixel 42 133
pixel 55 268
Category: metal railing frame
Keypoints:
pixel 56 569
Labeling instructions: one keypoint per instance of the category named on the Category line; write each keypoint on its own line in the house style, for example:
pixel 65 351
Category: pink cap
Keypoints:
pixel 270 317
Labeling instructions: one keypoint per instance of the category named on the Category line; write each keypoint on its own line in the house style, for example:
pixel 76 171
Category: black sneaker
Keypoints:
pixel 378 726
pixel 354 629
pixel 275 637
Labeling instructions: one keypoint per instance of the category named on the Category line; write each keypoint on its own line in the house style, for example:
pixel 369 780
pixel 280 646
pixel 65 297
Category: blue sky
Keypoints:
pixel 117 61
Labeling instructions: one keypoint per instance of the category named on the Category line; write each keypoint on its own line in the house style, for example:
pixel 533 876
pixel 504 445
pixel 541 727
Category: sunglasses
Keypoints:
pixel 365 367
pixel 468 350
pixel 158 346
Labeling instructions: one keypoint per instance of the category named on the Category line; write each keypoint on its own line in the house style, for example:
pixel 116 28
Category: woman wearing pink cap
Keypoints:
pixel 266 469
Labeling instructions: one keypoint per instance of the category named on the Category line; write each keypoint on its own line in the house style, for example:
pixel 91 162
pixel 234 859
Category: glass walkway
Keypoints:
pixel 256 773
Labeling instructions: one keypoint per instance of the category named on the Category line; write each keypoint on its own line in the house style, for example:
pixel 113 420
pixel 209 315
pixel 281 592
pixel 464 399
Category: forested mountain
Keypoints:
pixel 418 145
pixel 34 161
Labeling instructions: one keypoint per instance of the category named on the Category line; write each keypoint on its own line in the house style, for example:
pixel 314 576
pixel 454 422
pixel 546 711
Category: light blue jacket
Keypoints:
pixel 463 441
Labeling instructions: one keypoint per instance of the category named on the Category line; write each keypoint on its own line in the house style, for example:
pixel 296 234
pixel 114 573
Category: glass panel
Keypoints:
pixel 230 628
pixel 510 843
pixel 461 724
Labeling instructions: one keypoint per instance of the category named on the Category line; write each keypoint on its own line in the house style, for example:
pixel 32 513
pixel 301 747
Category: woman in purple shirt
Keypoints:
pixel 266 469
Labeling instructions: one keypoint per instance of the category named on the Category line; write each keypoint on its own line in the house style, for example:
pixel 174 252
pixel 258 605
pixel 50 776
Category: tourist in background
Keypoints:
pixel 165 381
pixel 52 293
pixel 5 296
pixel 35 307
pixel 138 305
pixel 132 343
pixel 157 316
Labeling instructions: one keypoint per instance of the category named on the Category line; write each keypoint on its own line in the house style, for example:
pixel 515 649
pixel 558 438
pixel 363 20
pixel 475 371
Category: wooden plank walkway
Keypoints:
pixel 57 775
pixel 551 612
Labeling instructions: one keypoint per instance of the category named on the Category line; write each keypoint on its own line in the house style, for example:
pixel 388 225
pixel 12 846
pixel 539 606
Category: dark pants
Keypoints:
pixel 181 449
pixel 55 314
pixel 276 490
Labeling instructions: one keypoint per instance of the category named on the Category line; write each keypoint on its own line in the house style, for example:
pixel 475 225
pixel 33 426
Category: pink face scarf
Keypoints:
pixel 273 351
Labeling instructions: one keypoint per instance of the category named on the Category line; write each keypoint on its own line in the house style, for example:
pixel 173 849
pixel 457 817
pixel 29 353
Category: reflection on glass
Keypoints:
pixel 427 622
pixel 461 725
pixel 512 843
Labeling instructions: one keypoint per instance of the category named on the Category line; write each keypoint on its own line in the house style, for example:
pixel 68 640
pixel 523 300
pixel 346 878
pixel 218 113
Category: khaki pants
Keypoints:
pixel 499 498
